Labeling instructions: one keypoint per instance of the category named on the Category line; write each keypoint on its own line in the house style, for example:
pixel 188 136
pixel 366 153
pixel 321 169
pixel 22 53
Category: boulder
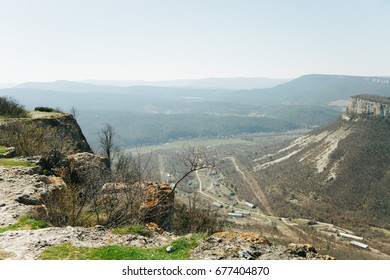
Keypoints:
pixel 81 167
pixel 159 205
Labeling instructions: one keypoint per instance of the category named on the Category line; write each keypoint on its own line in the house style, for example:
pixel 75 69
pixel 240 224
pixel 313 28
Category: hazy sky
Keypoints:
pixel 44 40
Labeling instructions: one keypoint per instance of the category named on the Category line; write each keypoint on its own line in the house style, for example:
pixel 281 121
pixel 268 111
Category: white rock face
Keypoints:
pixel 369 105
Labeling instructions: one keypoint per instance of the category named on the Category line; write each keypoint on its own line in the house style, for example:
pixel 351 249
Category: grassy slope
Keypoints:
pixel 114 252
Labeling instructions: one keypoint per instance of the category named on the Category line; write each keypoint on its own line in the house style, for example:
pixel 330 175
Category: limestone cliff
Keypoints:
pixel 369 105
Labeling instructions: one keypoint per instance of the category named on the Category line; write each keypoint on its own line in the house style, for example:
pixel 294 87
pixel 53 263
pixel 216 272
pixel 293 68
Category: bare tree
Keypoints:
pixel 106 142
pixel 74 112
pixel 131 168
pixel 191 159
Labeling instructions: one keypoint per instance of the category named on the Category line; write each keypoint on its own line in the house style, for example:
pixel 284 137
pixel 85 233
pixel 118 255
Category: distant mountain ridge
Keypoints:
pixel 236 83
pixel 239 83
pixel 313 89
pixel 68 86
pixel 305 101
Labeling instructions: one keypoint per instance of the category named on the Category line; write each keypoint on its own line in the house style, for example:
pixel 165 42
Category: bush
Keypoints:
pixel 10 108
pixel 32 139
pixel 194 218
pixel 47 109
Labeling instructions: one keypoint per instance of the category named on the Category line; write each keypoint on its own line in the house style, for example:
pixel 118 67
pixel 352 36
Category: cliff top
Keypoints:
pixel 40 115
pixel 374 98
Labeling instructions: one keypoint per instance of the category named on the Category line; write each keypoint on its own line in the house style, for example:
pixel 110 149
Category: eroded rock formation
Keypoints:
pixel 369 105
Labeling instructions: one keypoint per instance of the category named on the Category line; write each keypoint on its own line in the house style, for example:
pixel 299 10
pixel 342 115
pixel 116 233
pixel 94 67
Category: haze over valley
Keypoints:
pixel 185 113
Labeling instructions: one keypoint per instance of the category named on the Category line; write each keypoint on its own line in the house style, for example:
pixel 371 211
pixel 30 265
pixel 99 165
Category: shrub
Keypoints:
pixel 31 139
pixel 47 109
pixel 194 218
pixel 10 108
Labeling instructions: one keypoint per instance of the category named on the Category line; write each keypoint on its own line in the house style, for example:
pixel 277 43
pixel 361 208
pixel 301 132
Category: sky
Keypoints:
pixel 47 40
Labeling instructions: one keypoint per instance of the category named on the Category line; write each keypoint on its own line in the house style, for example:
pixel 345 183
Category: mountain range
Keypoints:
pixel 308 101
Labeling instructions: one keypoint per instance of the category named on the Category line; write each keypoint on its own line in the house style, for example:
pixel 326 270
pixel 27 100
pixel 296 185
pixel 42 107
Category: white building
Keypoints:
pixel 350 236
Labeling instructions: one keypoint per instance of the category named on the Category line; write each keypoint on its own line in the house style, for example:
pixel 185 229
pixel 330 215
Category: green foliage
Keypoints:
pixel 10 108
pixel 182 246
pixel 3 149
pixel 10 162
pixel 47 109
pixel 132 229
pixel 25 222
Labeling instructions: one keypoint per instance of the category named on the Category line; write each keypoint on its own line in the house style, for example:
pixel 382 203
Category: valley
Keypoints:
pixel 231 187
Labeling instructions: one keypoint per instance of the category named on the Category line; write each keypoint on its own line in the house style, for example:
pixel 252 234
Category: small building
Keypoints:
pixel 244 213
pixel 350 236
pixel 359 244
pixel 217 204
pixel 234 214
pixel 249 204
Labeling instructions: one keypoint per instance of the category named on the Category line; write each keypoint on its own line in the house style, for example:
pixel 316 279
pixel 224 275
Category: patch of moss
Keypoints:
pixel 10 162
pixel 3 149
pixel 132 229
pixel 25 222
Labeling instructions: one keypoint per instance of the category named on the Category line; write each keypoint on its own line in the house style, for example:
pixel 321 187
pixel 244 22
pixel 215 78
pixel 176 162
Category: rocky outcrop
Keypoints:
pixel 369 105
pixel 21 189
pixel 68 126
pixel 58 131
pixel 248 246
pixel 84 167
pixel 159 205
